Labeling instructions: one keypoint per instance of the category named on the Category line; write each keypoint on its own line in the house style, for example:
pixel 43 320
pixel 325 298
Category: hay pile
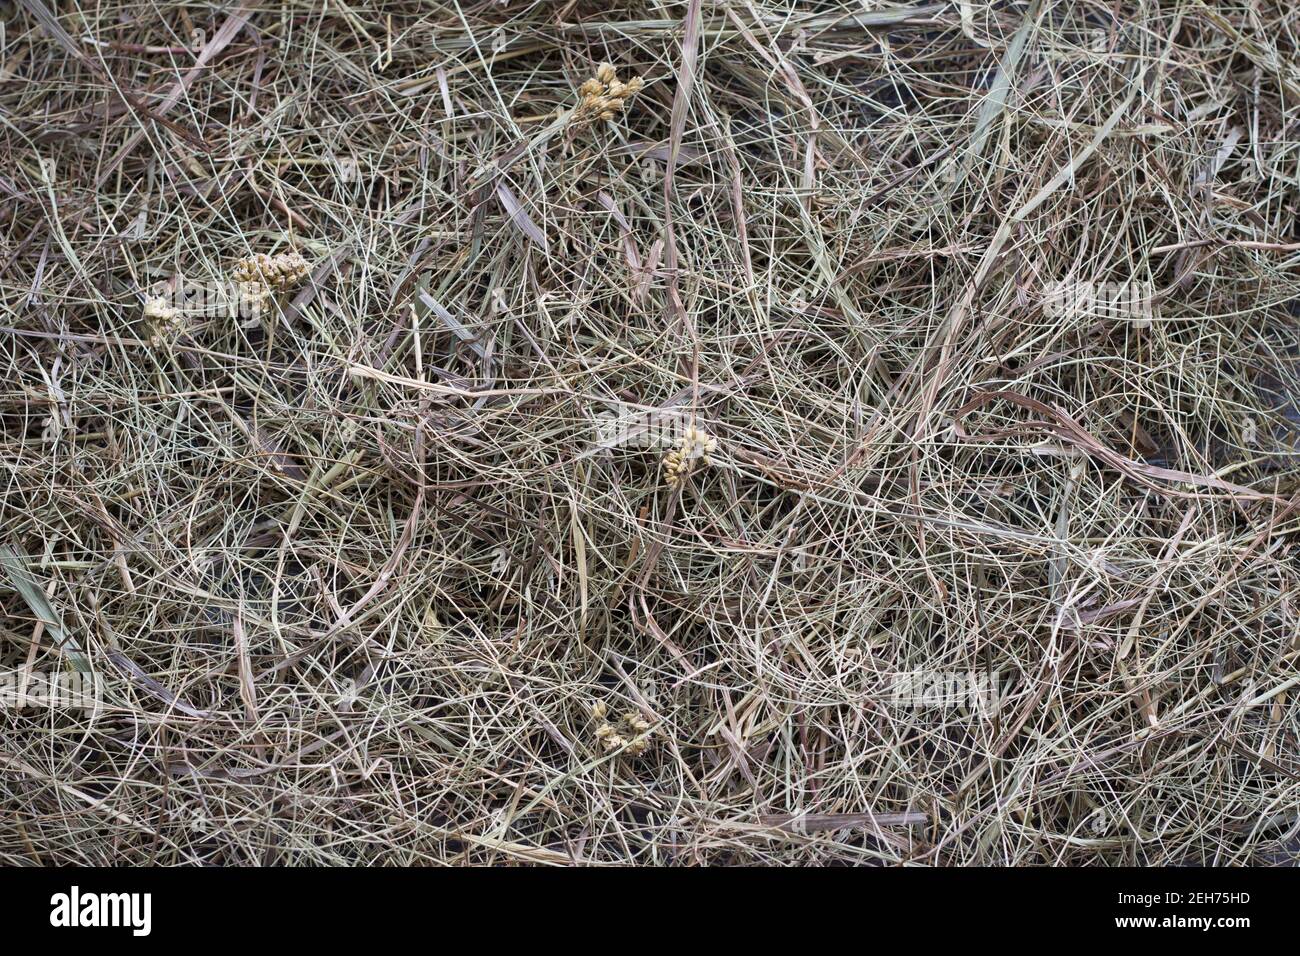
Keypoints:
pixel 399 566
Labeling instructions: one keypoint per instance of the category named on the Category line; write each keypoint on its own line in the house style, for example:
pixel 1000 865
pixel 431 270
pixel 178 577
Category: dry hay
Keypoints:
pixel 363 581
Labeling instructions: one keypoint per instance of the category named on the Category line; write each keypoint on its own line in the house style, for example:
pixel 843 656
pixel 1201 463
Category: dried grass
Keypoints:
pixel 358 575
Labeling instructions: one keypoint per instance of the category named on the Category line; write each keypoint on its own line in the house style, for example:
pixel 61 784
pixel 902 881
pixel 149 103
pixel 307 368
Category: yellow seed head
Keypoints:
pixel 281 272
pixel 604 95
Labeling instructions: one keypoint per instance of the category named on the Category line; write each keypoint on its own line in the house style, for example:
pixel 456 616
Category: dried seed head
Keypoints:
pixel 631 733
pixel 251 296
pixel 604 95
pixel 250 268
pixel 281 272
pixel 163 321
pixel 286 271
pixel 158 309
pixel 691 449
